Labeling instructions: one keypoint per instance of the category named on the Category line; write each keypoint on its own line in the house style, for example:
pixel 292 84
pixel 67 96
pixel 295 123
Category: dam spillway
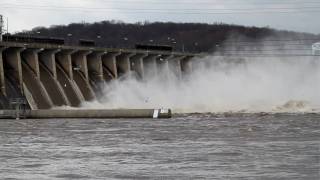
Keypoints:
pixel 49 75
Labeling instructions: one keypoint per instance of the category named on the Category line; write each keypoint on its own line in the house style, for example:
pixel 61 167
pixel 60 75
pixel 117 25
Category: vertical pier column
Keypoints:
pixel 95 66
pixel 186 66
pixel 31 58
pixel 13 58
pixel 109 63
pixel 136 64
pixel 47 57
pixel 31 78
pixel 163 66
pixel 150 66
pixel 48 77
pixel 63 58
pixel 96 71
pixel 2 78
pixel 175 66
pixel 81 74
pixel 79 61
pixel 123 63
pixel 65 77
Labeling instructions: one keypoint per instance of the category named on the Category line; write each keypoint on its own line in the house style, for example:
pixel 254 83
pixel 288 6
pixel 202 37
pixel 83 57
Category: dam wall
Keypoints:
pixel 49 75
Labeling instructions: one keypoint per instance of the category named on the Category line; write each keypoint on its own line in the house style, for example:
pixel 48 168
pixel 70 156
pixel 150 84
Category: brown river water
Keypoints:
pixel 193 146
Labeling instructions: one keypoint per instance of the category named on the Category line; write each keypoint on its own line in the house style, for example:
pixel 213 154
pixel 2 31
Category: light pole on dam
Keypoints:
pixel 1 27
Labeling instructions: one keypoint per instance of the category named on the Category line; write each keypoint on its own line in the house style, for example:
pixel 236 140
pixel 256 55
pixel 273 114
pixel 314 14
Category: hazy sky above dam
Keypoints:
pixel 297 15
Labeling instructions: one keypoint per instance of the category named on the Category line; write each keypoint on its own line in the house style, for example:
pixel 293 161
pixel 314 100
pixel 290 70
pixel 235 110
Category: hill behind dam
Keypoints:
pixel 188 37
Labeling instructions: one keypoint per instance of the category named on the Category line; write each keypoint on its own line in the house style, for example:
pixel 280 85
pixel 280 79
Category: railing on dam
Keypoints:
pixel 55 75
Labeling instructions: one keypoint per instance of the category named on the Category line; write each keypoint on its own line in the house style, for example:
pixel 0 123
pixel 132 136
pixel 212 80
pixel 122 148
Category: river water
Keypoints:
pixel 193 146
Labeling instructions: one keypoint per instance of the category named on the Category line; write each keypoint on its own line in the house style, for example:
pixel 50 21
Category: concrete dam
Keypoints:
pixel 50 75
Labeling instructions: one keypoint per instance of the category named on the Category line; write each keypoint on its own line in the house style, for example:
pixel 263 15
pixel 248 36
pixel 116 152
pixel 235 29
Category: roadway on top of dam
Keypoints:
pixel 90 48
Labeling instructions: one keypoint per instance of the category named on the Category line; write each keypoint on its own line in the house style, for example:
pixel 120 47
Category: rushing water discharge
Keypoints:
pixel 256 84
pixel 194 146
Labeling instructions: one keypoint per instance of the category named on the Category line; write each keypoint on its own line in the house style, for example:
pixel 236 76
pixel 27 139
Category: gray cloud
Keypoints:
pixel 31 13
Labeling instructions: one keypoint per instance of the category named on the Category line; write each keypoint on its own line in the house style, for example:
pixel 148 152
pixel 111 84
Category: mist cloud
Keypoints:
pixel 219 84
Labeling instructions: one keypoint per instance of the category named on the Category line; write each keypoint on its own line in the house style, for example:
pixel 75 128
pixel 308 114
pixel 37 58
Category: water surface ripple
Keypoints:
pixel 194 146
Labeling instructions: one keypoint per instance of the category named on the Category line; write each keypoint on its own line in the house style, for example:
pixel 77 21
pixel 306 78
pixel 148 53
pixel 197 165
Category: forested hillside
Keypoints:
pixel 189 37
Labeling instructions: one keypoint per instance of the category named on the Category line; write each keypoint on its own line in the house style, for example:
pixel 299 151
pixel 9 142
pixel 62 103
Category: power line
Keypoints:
pixel 286 51
pixel 277 40
pixel 271 45
pixel 264 50
pixel 1 27
pixel 212 2
pixel 271 42
pixel 199 2
pixel 266 55
pixel 172 11
pixel 159 9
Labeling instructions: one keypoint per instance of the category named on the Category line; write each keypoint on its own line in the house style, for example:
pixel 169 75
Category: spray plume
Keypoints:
pixel 224 84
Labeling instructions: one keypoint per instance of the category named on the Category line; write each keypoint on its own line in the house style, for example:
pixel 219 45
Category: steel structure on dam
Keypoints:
pixel 49 75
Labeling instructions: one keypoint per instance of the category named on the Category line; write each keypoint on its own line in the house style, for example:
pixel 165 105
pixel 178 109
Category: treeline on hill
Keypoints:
pixel 188 37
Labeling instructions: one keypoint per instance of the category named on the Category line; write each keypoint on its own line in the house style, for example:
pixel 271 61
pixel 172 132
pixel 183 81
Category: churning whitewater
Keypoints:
pixel 217 84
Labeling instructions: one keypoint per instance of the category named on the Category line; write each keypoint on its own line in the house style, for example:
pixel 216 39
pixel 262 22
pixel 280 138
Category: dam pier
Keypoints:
pixel 53 75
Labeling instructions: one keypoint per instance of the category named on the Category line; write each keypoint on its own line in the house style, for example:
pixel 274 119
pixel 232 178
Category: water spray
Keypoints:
pixel 224 84
pixel 316 48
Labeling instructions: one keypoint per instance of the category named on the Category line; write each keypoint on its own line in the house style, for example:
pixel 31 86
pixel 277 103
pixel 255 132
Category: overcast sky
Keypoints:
pixel 297 15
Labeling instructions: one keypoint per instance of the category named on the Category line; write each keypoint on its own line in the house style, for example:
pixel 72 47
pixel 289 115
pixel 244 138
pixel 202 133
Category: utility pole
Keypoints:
pixel 1 27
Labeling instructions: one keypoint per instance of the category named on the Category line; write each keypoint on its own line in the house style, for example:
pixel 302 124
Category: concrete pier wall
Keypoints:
pixel 33 87
pixel 110 64
pixel 186 65
pixel 31 58
pixel 95 69
pixel 68 87
pixel 175 66
pixel 64 61
pixel 52 75
pixel 63 58
pixel 137 66
pixel 13 60
pixel 53 87
pixel 81 74
pixel 47 57
pixel 150 66
pixel 95 66
pixel 79 61
pixel 31 79
pixel 48 76
pixel 2 78
pixel 123 63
